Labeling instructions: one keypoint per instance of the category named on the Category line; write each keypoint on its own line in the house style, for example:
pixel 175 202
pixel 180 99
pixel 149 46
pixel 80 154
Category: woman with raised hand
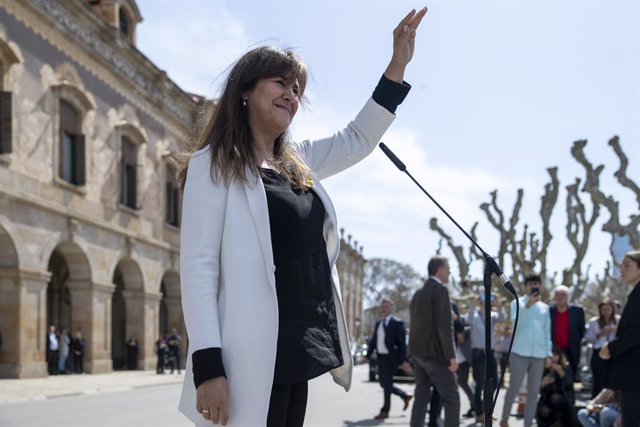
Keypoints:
pixel 259 241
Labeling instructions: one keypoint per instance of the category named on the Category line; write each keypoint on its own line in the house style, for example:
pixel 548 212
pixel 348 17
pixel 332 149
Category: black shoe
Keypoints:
pixel 470 413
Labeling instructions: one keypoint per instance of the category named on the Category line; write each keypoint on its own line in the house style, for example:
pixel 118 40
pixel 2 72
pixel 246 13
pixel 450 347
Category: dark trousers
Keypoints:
pixel 462 375
pixel 287 405
pixel 385 374
pixel 78 367
pixel 161 362
pixel 435 408
pixel 175 361
pixel 629 403
pixel 601 369
pixel 429 372
pixel 478 361
pixel 52 361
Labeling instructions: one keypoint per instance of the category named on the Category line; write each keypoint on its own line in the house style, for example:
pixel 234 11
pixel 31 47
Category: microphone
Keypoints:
pixel 396 161
pixel 506 282
pixel 490 262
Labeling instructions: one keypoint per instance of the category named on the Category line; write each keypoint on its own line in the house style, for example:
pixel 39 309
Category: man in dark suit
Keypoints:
pixel 431 346
pixel 389 342
pixel 567 327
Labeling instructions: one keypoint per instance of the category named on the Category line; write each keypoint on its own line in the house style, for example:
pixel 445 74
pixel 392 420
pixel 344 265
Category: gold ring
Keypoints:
pixel 205 410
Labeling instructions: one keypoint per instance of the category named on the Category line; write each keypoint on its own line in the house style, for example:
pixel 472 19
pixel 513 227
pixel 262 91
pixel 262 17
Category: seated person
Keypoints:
pixel 602 411
pixel 556 393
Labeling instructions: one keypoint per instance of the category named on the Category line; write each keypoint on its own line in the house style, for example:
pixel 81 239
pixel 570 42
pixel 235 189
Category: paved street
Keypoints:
pixel 145 399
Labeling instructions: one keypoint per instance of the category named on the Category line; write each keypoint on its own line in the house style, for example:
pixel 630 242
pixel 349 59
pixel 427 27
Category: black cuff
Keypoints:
pixel 390 94
pixel 207 364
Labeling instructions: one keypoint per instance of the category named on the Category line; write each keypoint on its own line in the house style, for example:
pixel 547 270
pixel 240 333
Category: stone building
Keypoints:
pixel 89 209
pixel 350 267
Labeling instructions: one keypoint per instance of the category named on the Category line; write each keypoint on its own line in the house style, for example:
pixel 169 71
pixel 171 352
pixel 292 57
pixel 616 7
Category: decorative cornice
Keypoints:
pixel 87 36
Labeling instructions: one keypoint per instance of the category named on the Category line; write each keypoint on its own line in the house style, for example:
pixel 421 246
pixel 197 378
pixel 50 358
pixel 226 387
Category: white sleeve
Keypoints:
pixel 328 156
pixel 203 213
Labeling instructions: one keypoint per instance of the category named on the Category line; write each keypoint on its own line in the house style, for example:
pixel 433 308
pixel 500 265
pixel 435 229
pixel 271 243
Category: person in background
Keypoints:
pixel 77 349
pixel 602 329
pixel 556 392
pixel 389 343
pixel 502 348
pixel 567 328
pixel 624 349
pixel 601 411
pixel 477 325
pixel 463 358
pixel 531 345
pixel 462 332
pixel 132 353
pixel 161 351
pixel 431 346
pixel 53 350
pixel 175 339
pixel 64 341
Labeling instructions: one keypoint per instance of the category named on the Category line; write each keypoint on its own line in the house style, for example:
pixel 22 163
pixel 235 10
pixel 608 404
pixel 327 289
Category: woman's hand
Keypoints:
pixel 604 352
pixel 212 400
pixel 404 37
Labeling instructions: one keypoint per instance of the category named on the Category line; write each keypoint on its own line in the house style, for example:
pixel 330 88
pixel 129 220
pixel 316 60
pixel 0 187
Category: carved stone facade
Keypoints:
pixel 71 253
pixel 350 267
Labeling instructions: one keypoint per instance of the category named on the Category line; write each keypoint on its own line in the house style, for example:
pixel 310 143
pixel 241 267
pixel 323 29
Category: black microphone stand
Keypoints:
pixel 490 267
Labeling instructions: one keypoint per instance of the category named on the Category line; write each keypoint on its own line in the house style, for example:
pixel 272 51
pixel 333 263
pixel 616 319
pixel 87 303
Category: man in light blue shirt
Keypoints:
pixel 531 345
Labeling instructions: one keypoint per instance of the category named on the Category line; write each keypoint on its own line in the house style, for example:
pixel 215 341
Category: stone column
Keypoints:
pixel 136 321
pixel 91 306
pixel 147 344
pixel 176 320
pixel 23 311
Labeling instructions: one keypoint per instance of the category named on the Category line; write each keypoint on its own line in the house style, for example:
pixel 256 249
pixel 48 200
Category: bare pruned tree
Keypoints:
pixel 592 186
pixel 464 261
pixel 579 225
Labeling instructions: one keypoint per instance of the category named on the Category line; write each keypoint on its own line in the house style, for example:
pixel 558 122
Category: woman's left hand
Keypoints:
pixel 404 37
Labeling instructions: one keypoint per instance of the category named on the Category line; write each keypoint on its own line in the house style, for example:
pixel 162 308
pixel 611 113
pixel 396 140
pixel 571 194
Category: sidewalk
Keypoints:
pixel 34 389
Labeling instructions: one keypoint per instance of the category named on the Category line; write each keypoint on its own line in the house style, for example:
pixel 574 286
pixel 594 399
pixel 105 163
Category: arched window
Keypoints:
pixel 72 146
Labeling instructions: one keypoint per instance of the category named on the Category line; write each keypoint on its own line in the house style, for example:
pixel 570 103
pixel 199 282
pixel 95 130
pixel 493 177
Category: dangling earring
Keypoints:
pixel 244 102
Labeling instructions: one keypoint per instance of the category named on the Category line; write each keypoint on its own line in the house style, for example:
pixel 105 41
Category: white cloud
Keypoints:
pixel 193 46
pixel 386 212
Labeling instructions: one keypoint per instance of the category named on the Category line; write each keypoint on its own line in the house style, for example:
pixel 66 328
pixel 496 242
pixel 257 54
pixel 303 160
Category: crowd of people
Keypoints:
pixel 444 344
pixel 65 355
pixel 168 352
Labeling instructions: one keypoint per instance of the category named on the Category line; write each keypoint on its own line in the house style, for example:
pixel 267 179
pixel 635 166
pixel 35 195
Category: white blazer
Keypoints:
pixel 227 269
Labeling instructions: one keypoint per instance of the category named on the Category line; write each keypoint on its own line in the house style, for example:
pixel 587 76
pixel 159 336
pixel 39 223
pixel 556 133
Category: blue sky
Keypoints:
pixel 501 89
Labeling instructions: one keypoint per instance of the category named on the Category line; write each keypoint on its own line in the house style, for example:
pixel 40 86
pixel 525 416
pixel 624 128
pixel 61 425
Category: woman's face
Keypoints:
pixel 272 105
pixel 606 311
pixel 629 271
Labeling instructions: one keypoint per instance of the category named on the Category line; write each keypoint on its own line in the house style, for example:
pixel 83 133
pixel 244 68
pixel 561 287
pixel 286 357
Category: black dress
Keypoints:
pixel 308 341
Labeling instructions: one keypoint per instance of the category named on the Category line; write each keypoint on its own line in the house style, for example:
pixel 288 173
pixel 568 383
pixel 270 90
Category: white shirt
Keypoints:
pixel 53 341
pixel 594 329
pixel 381 347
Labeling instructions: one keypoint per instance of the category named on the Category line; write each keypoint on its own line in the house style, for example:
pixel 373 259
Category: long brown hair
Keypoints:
pixel 601 321
pixel 227 132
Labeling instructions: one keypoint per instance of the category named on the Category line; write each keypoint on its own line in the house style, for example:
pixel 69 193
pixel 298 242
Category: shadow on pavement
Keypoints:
pixel 365 422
